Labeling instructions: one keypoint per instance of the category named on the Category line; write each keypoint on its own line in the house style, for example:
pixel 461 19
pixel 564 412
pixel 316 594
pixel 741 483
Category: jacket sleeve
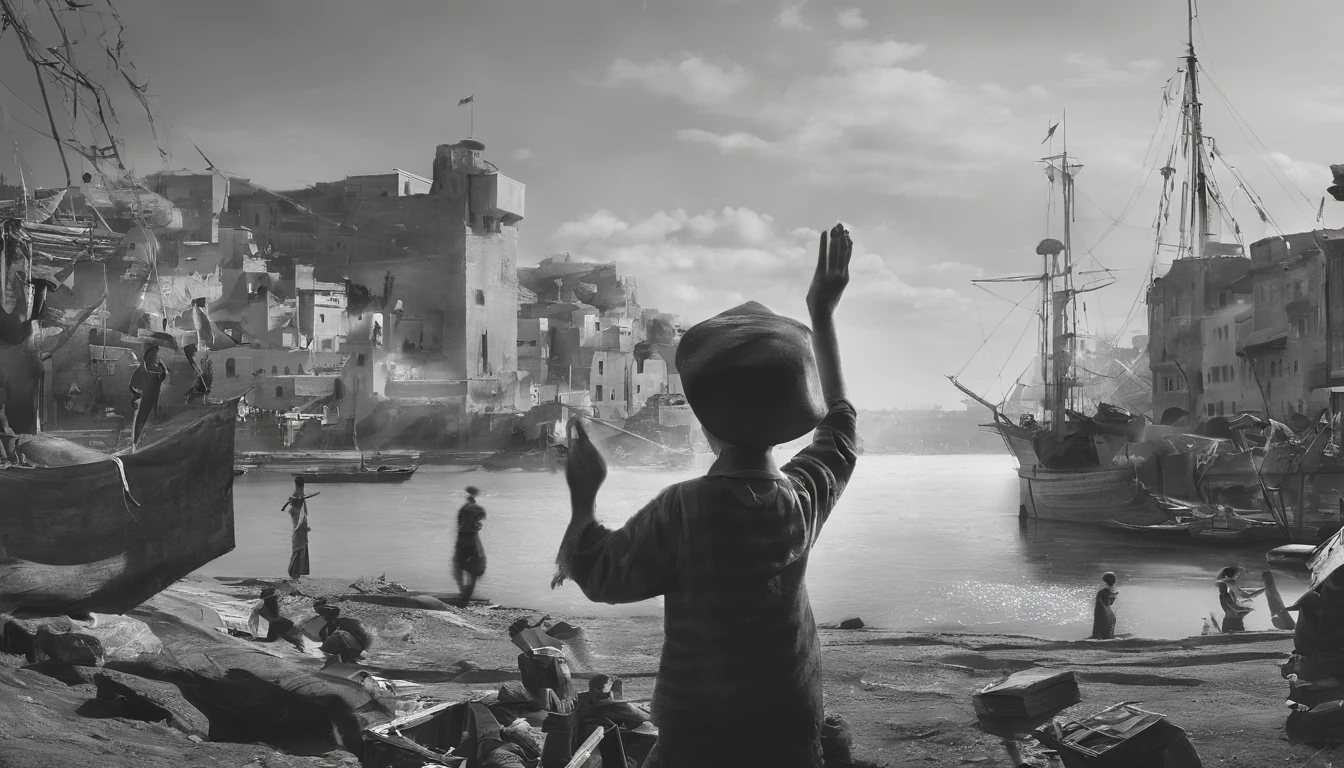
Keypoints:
pixel 634 562
pixel 821 471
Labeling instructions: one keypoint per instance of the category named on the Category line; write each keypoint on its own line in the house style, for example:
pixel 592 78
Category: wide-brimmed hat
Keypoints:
pixel 750 376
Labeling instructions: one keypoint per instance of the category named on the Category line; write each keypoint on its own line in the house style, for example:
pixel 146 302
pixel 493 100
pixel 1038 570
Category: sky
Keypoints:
pixel 702 145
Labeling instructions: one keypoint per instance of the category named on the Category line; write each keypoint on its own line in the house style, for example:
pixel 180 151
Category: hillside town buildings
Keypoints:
pixel 388 306
pixel 1230 334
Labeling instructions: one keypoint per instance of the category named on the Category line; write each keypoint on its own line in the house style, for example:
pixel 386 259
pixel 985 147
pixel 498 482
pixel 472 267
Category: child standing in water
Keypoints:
pixel 1103 616
pixel 739 683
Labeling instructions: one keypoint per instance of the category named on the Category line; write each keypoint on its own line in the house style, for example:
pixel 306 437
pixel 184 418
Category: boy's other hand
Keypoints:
pixel 585 469
pixel 832 273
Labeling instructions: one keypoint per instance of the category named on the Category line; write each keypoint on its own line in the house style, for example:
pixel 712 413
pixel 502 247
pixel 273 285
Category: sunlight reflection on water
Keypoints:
pixel 917 543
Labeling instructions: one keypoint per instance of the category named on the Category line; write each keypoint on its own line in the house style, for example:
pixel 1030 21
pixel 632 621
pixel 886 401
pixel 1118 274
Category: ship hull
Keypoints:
pixel 1098 496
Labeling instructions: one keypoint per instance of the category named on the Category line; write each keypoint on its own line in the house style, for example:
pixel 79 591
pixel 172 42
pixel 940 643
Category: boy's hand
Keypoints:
pixel 832 273
pixel 585 469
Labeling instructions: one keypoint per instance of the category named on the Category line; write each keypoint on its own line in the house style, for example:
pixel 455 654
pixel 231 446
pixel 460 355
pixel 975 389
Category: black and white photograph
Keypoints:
pixel 654 384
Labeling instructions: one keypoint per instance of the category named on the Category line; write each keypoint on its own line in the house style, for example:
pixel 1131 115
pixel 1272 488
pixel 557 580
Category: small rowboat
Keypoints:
pixel 358 475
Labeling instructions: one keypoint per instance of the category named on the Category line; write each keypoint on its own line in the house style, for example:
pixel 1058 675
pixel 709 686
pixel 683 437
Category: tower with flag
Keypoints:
pixel 470 101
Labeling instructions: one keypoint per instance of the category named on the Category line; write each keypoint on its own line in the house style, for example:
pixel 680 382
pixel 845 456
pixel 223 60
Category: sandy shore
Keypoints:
pixel 906 695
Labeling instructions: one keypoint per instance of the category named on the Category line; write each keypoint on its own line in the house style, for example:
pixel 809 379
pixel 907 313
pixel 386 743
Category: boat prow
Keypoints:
pixel 84 531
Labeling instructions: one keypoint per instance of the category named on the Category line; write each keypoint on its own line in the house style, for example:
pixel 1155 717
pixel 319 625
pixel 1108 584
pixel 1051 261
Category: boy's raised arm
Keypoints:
pixel 828 283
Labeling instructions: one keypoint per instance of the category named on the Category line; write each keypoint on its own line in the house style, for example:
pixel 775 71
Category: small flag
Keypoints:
pixel 1051 133
pixel 1320 213
pixel 467 100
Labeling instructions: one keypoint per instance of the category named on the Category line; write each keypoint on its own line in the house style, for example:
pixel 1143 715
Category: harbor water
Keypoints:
pixel 916 543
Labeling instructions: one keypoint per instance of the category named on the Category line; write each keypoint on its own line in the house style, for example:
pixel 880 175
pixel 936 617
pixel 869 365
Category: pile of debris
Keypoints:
pixel 1029 704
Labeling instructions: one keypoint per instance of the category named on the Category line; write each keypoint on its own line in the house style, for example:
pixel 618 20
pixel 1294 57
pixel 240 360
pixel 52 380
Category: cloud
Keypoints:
pixel 867 54
pixel 728 142
pixel 851 19
pixel 1304 173
pixel 698 264
pixel 691 78
pixel 523 153
pixel 1093 70
pixel 791 17
pixel 868 121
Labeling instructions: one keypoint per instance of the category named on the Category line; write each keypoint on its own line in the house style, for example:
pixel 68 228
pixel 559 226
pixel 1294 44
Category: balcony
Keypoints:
pixel 497 196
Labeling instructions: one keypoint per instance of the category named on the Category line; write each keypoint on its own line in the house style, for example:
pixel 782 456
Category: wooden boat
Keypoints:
pixel 382 474
pixel 531 461
pixel 1209 530
pixel 86 531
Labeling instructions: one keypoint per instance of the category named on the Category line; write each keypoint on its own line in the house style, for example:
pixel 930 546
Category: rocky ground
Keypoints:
pixel 906 696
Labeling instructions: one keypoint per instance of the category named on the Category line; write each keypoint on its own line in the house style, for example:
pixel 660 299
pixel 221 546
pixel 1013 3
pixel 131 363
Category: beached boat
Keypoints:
pixel 1230 529
pixel 358 475
pixel 83 531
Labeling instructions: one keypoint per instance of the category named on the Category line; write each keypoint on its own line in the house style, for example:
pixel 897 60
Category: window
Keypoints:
pixel 326 345
pixel 597 325
pixel 338 389
pixel 1222 299
pixel 359 360
pixel 1220 407
pixel 480 298
pixel 321 318
pixel 275 371
pixel 1209 409
pixel 230 368
pixel 600 366
pixel 406 190
pixel 287 370
pixel 279 391
pixel 636 389
pixel 299 371
pixel 485 353
pixel 599 391
pixel 613 394
pixel 256 219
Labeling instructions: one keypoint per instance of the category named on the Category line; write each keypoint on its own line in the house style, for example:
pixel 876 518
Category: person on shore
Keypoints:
pixel 1103 616
pixel 146 382
pixel 344 640
pixel 8 438
pixel 278 627
pixel 469 553
pixel 729 551
pixel 297 504
pixel 1235 600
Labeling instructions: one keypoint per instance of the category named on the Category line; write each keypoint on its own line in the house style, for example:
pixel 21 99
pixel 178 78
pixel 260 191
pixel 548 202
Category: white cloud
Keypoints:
pixel 691 78
pixel 1093 70
pixel 791 17
pixel 700 264
pixel 870 54
pixel 523 153
pixel 728 142
pixel 1304 173
pixel 851 19
pixel 868 121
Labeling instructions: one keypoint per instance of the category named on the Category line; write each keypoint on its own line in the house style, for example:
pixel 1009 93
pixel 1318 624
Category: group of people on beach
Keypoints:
pixel 1234 599
pixel 728 551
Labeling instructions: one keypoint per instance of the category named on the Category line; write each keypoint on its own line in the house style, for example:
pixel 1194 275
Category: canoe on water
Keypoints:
pixel 358 475
pixel 85 531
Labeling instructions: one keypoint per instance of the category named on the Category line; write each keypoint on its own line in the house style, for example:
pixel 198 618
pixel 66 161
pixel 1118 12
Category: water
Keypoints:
pixel 917 543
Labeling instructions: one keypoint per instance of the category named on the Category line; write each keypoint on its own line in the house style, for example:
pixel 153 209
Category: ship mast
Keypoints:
pixel 1198 179
pixel 1059 326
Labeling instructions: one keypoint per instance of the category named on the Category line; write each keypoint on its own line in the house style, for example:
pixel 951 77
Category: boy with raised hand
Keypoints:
pixel 740 678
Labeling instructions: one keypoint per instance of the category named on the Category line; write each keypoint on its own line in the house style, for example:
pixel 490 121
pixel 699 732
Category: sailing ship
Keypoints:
pixel 80 530
pixel 1116 468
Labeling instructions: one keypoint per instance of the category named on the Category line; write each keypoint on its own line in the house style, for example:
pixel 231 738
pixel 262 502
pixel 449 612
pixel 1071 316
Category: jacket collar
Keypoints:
pixel 745 463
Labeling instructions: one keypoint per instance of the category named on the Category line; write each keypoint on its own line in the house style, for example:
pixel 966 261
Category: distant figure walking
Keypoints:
pixel 298 540
pixel 1236 601
pixel 1103 616
pixel 469 554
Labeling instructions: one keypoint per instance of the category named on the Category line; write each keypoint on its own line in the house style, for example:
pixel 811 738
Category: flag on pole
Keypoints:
pixel 470 99
pixel 1320 213
pixel 1050 133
